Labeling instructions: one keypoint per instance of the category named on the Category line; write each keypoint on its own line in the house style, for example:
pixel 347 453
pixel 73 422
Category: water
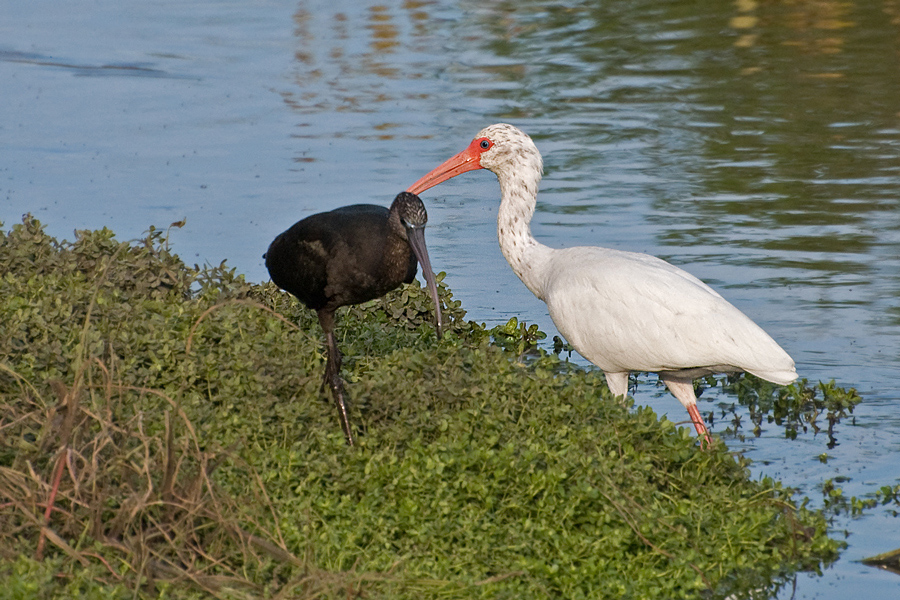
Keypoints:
pixel 755 144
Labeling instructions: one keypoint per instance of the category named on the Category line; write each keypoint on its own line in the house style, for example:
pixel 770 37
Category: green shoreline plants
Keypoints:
pixel 163 433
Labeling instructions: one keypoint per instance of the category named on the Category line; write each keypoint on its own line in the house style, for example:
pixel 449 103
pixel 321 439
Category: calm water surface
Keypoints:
pixel 756 144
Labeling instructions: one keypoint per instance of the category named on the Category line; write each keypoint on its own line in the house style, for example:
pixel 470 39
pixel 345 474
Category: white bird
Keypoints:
pixel 623 311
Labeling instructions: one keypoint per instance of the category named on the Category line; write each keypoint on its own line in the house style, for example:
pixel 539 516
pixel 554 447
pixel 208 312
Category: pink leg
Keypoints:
pixel 683 390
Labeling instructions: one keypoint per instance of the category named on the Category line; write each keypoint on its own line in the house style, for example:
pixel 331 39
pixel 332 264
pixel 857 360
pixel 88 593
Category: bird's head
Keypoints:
pixel 500 148
pixel 410 209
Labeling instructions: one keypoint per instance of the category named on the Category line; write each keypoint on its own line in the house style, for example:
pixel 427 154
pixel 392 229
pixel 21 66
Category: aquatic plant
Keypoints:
pixel 163 433
pixel 797 407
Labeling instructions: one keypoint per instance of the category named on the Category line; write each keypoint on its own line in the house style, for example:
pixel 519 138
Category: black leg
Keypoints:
pixel 333 372
pixel 333 375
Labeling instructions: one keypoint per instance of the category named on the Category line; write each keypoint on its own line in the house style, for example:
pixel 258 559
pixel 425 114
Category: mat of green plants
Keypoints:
pixel 164 433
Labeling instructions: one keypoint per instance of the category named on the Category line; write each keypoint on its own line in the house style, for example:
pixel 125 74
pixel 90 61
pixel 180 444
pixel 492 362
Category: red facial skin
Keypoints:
pixel 467 160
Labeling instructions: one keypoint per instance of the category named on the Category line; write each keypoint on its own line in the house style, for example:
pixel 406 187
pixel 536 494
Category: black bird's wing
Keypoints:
pixel 333 258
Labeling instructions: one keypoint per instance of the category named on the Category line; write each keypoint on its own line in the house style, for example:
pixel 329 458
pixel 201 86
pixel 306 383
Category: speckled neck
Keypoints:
pixel 518 190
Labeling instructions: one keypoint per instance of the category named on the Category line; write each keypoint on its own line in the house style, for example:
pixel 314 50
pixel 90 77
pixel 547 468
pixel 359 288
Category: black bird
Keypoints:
pixel 348 256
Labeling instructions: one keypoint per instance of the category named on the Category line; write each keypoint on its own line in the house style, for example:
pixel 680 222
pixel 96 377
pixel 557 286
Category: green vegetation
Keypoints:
pixel 797 408
pixel 163 433
pixel 837 503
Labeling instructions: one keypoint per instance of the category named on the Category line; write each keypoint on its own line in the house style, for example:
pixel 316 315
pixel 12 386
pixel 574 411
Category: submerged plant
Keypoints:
pixel 798 407
pixel 163 430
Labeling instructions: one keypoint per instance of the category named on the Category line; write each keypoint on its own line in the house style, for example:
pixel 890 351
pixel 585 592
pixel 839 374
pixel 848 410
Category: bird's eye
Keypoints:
pixel 485 144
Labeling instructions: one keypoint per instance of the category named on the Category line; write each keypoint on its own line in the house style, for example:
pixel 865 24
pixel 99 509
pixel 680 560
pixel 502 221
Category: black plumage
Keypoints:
pixel 348 256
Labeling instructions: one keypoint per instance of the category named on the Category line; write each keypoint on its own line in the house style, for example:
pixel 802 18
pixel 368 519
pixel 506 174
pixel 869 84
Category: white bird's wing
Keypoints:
pixel 626 311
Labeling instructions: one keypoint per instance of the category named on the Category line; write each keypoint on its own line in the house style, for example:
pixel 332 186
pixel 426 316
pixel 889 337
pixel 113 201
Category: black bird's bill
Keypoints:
pixel 416 237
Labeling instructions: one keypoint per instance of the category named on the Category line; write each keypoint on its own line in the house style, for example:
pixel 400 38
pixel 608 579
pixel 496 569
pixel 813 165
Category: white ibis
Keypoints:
pixel 623 311
pixel 347 256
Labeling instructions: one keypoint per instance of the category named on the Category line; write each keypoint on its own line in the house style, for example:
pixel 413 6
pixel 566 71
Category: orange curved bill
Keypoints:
pixel 467 160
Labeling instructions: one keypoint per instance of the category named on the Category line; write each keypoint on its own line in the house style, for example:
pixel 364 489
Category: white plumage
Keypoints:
pixel 623 311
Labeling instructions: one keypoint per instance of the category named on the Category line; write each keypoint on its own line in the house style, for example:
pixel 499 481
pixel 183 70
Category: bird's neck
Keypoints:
pixel 526 256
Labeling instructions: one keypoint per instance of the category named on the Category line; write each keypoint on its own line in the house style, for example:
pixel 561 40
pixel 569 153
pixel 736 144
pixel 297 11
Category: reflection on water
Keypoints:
pixel 99 70
pixel 754 143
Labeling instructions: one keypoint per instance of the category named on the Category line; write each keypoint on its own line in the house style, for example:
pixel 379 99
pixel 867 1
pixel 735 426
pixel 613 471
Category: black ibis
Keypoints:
pixel 348 256
pixel 623 311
